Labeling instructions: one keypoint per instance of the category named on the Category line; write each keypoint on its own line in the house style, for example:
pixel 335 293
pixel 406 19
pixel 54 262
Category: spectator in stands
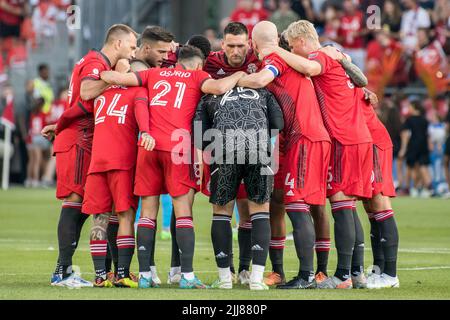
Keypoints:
pixel 332 26
pixel 447 155
pixel 41 87
pixel 441 21
pixel 57 109
pixel 211 35
pixel 437 134
pixel 11 16
pixel 352 32
pixel 391 16
pixel 390 116
pixel 44 20
pixel 414 18
pixel 304 10
pixel 36 144
pixel 247 14
pixel 284 15
pixel 415 149
pixel 3 75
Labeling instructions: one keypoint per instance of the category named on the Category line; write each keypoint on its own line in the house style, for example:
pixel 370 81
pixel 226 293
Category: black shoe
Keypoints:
pixel 298 283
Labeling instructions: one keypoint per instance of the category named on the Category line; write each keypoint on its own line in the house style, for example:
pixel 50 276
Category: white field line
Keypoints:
pixel 214 271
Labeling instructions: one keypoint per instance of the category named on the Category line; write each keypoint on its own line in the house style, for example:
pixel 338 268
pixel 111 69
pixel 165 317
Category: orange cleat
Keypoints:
pixel 320 277
pixel 273 279
pixel 347 284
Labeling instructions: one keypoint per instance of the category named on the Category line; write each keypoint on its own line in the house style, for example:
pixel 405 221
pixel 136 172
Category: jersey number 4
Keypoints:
pixel 166 88
pixel 112 111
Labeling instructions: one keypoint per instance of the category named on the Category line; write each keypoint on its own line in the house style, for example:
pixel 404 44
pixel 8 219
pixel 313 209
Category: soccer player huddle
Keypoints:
pixel 131 131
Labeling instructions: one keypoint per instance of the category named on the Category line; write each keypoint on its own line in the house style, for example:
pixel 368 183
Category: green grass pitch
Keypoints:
pixel 28 243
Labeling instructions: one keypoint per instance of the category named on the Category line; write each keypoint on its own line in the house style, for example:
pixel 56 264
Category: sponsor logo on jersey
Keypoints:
pixel 221 72
pixel 313 55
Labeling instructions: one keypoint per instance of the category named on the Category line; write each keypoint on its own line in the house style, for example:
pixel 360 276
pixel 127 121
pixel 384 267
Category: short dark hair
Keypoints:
pixel 188 52
pixel 202 43
pixel 235 28
pixel 42 67
pixel 118 29
pixel 156 33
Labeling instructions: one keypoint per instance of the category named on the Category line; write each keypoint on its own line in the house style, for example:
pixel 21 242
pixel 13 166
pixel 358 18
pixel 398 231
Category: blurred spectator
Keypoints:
pixel 284 15
pixel 247 14
pixel 391 16
pixel 437 134
pixel 352 32
pixel 414 18
pixel 390 116
pixel 12 13
pixel 44 19
pixel 415 149
pixel 304 9
pixel 441 20
pixel 383 61
pixel 211 35
pixel 332 26
pixel 41 87
pixel 431 63
pixel 3 75
pixel 447 154
pixel 36 144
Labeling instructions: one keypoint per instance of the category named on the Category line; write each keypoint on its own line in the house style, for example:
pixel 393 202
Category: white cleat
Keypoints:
pixel 372 280
pixel 174 279
pixel 244 277
pixel 82 283
pixel 359 282
pixel 258 285
pixel 156 279
pixel 383 282
pixel 70 282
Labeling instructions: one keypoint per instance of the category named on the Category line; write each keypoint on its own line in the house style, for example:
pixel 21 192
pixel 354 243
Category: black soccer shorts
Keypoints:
pixel 226 178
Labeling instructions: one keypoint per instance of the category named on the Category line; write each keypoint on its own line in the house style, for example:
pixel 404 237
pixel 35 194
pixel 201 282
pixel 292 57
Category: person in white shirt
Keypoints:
pixel 413 19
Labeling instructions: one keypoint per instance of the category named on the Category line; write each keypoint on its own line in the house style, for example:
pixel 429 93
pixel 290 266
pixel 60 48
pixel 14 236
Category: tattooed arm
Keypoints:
pixel 357 76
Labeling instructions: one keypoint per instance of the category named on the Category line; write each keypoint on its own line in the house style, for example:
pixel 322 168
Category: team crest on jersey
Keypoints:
pixel 313 55
pixel 252 68
pixel 95 71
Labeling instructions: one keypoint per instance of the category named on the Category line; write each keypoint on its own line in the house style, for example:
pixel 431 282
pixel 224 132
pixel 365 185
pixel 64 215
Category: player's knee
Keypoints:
pixel 73 197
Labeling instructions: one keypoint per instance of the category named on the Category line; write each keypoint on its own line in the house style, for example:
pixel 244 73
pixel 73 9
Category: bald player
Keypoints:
pixel 306 146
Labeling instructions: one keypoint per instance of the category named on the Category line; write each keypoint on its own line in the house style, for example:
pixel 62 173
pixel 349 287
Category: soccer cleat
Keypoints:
pixel 244 277
pixel 56 277
pixel 102 283
pixel 221 284
pixel 383 282
pixel 69 282
pixel 298 283
pixel 126 283
pixel 156 279
pixel 81 282
pixel 359 282
pixel 258 285
pixel 133 277
pixel 146 283
pixel 174 279
pixel 191 284
pixel 335 283
pixel 111 277
pixel 320 277
pixel 165 235
pixel 372 280
pixel 273 279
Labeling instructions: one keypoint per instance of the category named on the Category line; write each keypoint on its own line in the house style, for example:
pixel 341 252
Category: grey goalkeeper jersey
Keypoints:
pixel 242 117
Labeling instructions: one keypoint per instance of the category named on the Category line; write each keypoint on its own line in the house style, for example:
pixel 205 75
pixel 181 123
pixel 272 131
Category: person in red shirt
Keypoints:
pixel 351 166
pixel 73 144
pixel 236 55
pixel 351 33
pixel 247 14
pixel 11 16
pixel 306 147
pixel 175 94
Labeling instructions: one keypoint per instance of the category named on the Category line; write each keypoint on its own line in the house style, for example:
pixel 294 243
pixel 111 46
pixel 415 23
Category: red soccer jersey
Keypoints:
pixel 217 65
pixel 380 135
pixel 175 95
pixel 339 102
pixel 297 98
pixel 9 18
pixel 119 114
pixel 350 25
pixel 80 131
